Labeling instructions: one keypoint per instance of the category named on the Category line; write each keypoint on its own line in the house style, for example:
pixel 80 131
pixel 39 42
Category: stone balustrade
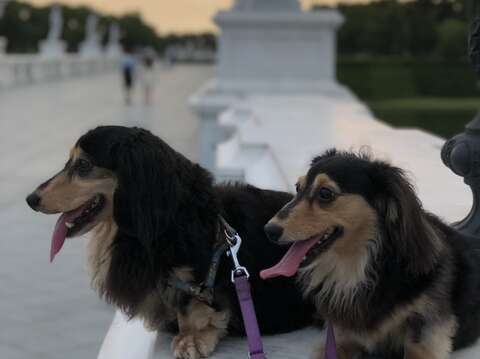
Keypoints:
pixel 23 70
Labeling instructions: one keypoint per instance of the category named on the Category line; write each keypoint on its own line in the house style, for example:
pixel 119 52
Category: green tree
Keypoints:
pixel 392 28
pixel 25 26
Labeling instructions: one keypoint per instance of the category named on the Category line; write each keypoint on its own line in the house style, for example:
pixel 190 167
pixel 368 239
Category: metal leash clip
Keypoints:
pixel 234 241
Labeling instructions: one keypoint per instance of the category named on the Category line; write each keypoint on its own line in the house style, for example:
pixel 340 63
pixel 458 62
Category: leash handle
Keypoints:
pixel 255 346
pixel 330 345
pixel 235 242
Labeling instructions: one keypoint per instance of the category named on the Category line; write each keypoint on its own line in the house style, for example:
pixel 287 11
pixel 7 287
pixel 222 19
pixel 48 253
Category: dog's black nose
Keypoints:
pixel 33 201
pixel 273 231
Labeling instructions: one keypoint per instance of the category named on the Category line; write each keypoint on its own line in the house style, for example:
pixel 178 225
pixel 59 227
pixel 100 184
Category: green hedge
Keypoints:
pixel 444 123
pixel 387 79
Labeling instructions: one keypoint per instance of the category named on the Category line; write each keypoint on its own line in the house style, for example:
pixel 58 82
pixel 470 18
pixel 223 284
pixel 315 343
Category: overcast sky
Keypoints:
pixel 172 15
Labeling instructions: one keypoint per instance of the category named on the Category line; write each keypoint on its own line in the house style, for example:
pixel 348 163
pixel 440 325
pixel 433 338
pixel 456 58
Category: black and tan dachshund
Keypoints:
pixel 392 278
pixel 154 216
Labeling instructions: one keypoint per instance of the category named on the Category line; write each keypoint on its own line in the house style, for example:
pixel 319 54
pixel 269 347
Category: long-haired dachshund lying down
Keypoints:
pixel 155 217
pixel 392 278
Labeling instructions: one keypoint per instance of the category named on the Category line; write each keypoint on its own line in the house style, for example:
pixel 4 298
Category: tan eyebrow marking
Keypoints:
pixel 322 180
pixel 75 152
pixel 301 181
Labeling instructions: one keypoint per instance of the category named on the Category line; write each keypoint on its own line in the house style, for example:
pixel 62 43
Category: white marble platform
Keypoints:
pixel 129 340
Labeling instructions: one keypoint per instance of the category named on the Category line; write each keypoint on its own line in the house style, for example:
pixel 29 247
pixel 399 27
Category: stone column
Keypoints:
pixel 3 41
pixel 53 46
pixel 266 47
pixel 91 47
pixel 3 3
pixel 114 48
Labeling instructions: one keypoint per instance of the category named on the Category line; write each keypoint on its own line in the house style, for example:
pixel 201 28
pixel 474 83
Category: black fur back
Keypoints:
pixel 166 209
pixel 278 303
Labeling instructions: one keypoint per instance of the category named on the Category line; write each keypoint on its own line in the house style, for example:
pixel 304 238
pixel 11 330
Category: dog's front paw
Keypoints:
pixel 193 346
pixel 184 347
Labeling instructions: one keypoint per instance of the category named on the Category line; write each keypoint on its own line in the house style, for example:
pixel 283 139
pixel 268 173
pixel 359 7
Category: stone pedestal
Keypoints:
pixel 50 49
pixel 266 47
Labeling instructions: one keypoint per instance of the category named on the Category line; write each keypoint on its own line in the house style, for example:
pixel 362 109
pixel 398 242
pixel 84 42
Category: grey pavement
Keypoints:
pixel 48 310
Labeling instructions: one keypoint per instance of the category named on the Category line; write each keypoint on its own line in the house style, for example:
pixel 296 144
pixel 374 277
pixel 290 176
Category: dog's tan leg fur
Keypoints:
pixel 435 343
pixel 200 329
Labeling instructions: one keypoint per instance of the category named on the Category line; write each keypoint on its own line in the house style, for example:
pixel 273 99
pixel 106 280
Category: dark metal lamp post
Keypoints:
pixel 462 152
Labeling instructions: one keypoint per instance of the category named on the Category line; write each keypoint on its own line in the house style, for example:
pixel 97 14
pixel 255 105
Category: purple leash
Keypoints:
pixel 242 286
pixel 330 345
pixel 255 346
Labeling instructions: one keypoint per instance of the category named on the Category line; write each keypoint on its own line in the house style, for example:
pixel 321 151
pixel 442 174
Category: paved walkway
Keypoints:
pixel 48 310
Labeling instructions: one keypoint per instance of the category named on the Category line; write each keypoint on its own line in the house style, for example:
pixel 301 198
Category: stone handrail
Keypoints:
pixel 22 70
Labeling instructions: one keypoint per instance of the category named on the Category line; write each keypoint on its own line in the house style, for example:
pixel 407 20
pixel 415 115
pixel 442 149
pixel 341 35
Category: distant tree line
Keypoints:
pixel 25 25
pixel 421 28
pixel 434 29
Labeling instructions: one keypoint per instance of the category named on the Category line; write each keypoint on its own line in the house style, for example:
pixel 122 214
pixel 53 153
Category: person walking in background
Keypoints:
pixel 128 71
pixel 147 77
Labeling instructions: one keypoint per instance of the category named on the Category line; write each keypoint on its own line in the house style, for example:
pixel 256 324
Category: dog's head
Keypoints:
pixel 346 206
pixel 113 173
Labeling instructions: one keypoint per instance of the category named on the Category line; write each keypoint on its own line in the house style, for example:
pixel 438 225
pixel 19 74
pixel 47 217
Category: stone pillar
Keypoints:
pixel 3 45
pixel 114 49
pixel 266 47
pixel 91 47
pixel 53 46
pixel 3 41
pixel 3 3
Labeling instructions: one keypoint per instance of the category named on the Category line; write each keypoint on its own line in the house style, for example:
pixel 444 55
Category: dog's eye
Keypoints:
pixel 83 167
pixel 297 187
pixel 326 195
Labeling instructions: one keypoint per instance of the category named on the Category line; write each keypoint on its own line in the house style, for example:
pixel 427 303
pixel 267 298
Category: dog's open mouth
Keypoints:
pixel 302 253
pixel 73 222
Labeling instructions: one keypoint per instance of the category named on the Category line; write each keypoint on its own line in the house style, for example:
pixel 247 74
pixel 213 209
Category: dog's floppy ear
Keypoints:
pixel 145 198
pixel 408 233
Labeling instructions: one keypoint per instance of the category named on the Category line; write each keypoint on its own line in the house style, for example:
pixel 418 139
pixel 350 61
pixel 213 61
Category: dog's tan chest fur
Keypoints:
pixel 99 255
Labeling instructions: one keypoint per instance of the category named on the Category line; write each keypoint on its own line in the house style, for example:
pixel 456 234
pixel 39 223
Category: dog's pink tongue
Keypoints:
pixel 60 232
pixel 291 261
